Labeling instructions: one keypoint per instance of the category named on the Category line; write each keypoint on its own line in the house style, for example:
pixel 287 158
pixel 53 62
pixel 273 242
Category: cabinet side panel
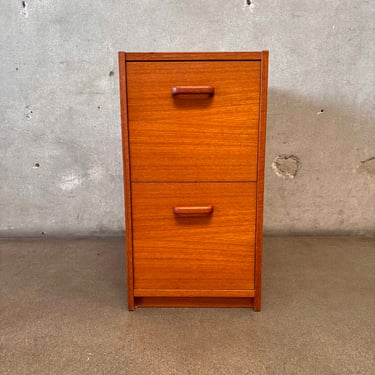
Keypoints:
pixel 127 185
pixel 260 182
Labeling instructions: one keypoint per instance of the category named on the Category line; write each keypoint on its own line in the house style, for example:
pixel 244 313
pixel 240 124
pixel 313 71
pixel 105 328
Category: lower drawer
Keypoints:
pixel 194 239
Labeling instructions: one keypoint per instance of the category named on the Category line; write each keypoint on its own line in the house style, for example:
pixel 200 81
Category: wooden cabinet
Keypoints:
pixel 193 131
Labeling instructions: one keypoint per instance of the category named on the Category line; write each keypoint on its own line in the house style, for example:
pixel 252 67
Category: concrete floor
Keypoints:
pixel 63 311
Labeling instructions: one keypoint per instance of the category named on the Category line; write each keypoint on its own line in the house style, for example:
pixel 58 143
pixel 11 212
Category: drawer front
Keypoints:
pixel 196 137
pixel 193 236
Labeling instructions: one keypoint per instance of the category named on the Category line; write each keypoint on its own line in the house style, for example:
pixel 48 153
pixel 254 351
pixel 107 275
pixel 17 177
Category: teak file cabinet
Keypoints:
pixel 193 131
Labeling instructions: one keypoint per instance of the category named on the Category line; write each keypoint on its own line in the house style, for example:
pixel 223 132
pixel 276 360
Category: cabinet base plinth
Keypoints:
pixel 193 302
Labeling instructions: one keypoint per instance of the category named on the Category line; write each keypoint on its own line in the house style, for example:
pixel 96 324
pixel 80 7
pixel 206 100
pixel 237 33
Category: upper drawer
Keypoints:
pixel 193 137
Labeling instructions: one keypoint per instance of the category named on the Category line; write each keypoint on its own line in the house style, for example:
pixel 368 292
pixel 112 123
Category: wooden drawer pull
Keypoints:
pixel 193 90
pixel 193 211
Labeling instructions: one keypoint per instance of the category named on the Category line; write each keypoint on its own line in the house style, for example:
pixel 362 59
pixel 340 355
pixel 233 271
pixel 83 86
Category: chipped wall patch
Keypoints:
pixel 249 4
pixel 24 10
pixel 29 113
pixel 286 166
pixel 367 167
pixel 70 182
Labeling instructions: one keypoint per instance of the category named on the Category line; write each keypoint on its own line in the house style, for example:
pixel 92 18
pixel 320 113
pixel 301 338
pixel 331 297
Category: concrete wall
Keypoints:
pixel 60 164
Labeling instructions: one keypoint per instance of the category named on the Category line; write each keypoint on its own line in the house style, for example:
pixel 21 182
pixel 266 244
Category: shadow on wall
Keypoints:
pixel 320 166
pixel 320 126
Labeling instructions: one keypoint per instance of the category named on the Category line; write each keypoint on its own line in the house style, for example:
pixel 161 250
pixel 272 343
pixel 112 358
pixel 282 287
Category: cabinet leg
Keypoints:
pixel 256 306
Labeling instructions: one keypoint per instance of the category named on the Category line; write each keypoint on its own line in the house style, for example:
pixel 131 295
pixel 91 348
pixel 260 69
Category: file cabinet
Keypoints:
pixel 193 132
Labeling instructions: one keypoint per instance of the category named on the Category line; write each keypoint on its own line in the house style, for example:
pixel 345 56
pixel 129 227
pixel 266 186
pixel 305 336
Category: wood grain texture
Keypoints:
pixel 260 182
pixel 195 139
pixel 192 293
pixel 192 302
pixel 199 56
pixel 213 252
pixel 127 178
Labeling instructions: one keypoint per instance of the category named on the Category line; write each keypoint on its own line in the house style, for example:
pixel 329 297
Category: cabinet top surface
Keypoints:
pixel 173 56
